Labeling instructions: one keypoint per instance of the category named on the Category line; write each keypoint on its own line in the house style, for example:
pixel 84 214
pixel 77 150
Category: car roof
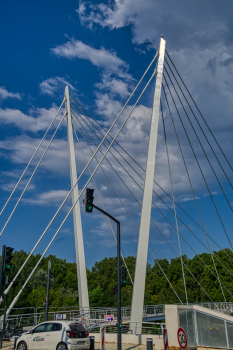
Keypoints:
pixel 61 322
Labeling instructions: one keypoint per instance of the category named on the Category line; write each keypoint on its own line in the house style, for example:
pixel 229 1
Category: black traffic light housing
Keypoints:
pixel 8 258
pixel 5 265
pixel 123 276
pixel 88 201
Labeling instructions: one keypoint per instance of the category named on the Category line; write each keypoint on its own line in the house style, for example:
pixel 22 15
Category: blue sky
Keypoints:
pixel 101 50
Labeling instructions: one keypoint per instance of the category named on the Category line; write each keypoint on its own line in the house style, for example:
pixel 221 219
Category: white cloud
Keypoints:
pixel 101 58
pixel 4 94
pixel 37 119
pixel 114 86
pixel 48 198
pixel 54 84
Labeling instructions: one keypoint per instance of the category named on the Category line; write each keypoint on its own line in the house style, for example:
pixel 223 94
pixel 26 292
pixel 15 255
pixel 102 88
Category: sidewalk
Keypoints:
pixel 8 345
pixel 113 346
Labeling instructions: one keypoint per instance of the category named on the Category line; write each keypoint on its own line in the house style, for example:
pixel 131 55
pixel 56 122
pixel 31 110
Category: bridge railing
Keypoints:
pixel 147 328
pixel 153 310
pixel 218 306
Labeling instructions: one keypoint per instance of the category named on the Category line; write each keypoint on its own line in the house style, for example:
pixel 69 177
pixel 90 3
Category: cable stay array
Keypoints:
pixel 103 147
pixel 81 192
pixel 74 113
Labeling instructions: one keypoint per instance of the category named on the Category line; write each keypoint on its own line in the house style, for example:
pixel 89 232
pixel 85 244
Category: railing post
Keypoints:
pixel 196 329
pixel 226 330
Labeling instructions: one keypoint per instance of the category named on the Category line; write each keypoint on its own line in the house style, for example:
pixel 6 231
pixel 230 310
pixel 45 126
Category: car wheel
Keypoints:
pixel 61 346
pixel 22 346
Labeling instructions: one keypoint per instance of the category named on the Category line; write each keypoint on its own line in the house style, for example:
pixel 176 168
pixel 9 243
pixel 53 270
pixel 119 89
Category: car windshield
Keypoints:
pixel 44 327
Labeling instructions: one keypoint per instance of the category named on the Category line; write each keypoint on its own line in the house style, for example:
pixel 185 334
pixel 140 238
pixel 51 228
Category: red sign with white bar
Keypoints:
pixel 165 339
pixel 182 338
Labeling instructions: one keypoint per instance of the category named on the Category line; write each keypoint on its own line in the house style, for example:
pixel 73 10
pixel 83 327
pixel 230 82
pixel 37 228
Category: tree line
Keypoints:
pixel 102 279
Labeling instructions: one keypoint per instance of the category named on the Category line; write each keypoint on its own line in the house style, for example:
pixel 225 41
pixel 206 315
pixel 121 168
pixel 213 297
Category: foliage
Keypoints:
pixel 102 278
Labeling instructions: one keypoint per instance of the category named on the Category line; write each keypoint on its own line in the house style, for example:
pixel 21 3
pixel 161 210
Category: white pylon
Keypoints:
pixel 78 234
pixel 141 262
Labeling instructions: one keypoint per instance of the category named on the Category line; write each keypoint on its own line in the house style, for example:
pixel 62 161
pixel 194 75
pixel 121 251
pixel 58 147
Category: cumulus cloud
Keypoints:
pixel 100 58
pixel 54 84
pixel 115 87
pixel 48 198
pixel 37 119
pixel 4 94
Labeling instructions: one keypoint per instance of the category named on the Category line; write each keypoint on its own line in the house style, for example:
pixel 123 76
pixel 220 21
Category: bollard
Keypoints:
pixel 149 344
pixel 15 342
pixel 92 343
pixel 102 338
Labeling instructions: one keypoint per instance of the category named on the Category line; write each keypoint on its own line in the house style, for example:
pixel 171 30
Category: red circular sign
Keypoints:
pixel 182 339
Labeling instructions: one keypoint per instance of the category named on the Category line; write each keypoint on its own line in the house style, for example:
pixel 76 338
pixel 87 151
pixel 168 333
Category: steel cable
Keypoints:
pixel 31 159
pixel 199 125
pixel 187 172
pixel 143 181
pixel 131 191
pixel 199 141
pixel 178 236
pixel 200 112
pixel 144 172
pixel 31 176
pixel 198 163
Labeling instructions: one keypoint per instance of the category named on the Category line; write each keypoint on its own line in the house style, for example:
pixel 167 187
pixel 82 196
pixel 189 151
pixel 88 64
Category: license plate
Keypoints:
pixel 80 343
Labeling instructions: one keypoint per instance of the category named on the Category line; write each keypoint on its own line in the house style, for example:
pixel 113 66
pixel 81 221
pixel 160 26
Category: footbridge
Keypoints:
pixel 206 324
pixel 185 138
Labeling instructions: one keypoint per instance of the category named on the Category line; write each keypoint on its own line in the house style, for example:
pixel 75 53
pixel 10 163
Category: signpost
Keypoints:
pixel 182 338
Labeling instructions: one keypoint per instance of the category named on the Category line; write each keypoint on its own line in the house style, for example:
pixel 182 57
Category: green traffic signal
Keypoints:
pixel 8 267
pixel 88 201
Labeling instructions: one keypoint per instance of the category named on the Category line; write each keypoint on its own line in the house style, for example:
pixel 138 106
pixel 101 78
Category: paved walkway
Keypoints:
pixel 8 345
pixel 113 346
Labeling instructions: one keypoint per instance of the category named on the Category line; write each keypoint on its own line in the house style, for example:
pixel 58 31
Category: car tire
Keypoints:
pixel 22 346
pixel 61 346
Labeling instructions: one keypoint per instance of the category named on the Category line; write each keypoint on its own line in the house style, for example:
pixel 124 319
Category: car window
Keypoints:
pixel 57 327
pixel 44 327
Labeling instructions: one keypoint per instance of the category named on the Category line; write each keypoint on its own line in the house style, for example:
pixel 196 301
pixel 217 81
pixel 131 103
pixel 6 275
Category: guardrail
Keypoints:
pixel 31 316
pixel 147 328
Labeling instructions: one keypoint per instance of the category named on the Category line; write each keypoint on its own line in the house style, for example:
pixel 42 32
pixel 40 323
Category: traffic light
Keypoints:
pixel 114 291
pixel 123 276
pixel 5 265
pixel 88 201
pixel 8 258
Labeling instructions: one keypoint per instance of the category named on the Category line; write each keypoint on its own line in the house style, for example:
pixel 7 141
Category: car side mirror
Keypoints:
pixel 31 331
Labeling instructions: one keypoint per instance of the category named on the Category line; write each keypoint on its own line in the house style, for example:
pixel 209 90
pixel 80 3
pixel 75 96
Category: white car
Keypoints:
pixel 55 336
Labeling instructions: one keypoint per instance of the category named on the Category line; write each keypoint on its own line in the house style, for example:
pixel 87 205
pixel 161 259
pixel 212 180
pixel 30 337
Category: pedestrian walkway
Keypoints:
pixel 8 345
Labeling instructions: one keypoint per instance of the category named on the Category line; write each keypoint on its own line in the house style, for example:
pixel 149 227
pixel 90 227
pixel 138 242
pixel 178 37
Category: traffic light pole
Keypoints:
pixel 119 321
pixel 3 323
pixel 2 266
pixel 47 296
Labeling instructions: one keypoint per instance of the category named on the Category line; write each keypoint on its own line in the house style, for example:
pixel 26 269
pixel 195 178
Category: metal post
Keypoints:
pixel 226 330
pixel 78 234
pixel 196 328
pixel 149 343
pixel 119 321
pixel 4 319
pixel 142 252
pixel 2 267
pixel 47 296
pixel 119 325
